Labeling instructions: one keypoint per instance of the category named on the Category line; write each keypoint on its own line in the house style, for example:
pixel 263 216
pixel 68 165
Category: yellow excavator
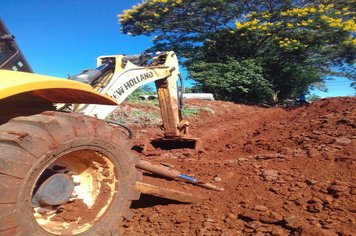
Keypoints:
pixel 65 170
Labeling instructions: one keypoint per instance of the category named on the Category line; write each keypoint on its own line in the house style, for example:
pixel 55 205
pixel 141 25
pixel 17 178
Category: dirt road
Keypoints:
pixel 285 172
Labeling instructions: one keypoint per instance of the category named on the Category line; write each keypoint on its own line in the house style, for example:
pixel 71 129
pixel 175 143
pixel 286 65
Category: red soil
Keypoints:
pixel 285 172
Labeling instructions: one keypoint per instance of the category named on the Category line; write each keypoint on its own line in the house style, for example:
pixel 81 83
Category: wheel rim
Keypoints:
pixel 96 180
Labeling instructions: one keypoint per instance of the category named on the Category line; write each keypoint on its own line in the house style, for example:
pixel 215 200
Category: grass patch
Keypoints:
pixel 189 111
pixel 130 112
pixel 137 112
pixel 144 103
pixel 125 114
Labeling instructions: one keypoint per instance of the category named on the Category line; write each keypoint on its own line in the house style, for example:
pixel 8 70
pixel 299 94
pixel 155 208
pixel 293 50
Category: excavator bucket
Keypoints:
pixel 169 144
pixel 176 129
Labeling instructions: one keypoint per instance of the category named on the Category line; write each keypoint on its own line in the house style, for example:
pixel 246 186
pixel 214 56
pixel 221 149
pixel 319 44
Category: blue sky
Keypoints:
pixel 66 36
pixel 337 87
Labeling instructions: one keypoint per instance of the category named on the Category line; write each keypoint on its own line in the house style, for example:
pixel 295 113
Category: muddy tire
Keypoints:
pixel 86 149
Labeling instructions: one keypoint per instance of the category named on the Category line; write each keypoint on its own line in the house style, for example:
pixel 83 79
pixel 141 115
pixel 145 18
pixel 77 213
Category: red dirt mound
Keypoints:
pixel 285 172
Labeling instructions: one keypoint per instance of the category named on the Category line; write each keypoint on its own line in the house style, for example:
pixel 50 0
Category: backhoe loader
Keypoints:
pixel 64 170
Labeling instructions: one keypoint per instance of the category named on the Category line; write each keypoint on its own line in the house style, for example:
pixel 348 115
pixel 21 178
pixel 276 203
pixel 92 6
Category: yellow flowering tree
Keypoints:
pixel 251 50
pixel 177 25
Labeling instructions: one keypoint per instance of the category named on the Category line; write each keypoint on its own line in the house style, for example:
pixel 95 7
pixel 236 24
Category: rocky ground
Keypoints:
pixel 284 171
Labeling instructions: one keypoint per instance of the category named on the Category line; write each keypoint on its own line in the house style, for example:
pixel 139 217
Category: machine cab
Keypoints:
pixel 11 58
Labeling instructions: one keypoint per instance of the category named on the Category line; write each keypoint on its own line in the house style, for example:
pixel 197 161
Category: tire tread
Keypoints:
pixel 27 140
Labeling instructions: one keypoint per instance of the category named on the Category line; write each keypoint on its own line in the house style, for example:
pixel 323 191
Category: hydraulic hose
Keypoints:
pixel 130 135
pixel 180 93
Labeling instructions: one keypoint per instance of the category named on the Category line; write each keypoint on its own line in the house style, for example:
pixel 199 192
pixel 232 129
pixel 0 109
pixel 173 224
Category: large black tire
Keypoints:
pixel 94 155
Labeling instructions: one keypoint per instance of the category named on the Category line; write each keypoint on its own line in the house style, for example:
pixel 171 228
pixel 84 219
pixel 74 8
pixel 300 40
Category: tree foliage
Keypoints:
pixel 146 88
pixel 313 97
pixel 143 90
pixel 233 80
pixel 252 50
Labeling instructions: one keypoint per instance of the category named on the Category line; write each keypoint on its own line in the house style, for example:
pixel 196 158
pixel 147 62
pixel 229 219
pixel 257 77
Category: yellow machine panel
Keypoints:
pixel 52 89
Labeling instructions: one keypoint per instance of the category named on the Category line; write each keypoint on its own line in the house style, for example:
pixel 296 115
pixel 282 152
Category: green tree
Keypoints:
pixel 146 88
pixel 252 50
pixel 313 97
pixel 233 80
pixel 142 90
pixel 188 90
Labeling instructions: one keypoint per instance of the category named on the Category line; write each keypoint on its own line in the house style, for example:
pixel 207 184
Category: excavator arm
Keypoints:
pixel 118 76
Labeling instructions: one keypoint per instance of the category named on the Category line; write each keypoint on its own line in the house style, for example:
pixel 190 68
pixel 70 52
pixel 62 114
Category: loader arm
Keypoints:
pixel 52 89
